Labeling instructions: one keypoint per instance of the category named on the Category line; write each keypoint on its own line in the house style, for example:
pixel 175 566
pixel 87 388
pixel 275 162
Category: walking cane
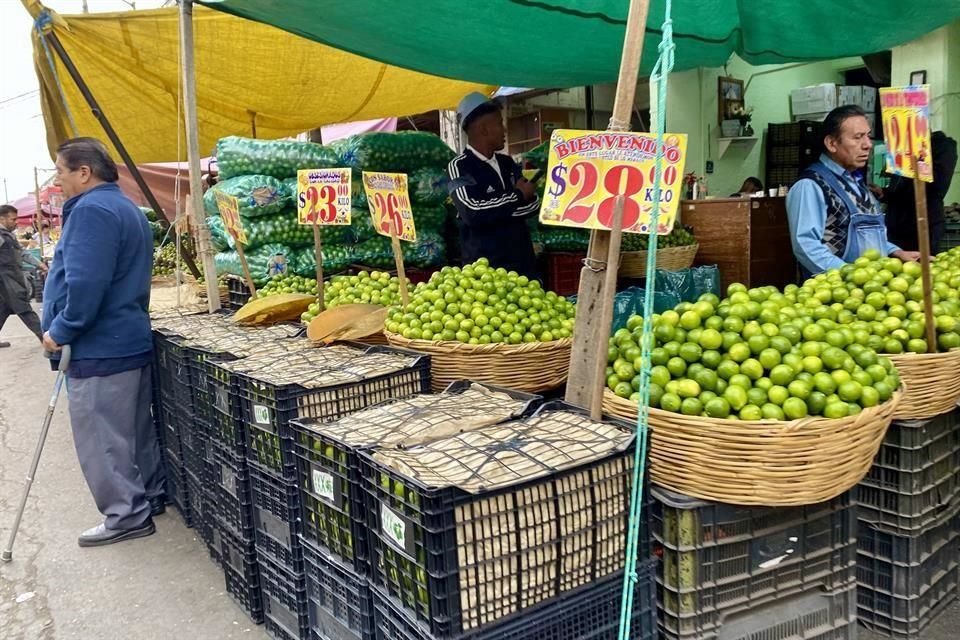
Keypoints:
pixel 7 555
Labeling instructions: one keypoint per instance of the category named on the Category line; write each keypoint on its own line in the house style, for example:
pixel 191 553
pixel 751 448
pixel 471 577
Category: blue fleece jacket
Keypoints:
pixel 98 290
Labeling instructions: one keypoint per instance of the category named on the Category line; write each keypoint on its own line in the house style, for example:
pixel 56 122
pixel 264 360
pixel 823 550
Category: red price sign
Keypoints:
pixel 323 196
pixel 589 170
pixel 230 212
pixel 389 201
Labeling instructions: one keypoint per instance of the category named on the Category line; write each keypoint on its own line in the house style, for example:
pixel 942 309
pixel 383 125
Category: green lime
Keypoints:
pixel 782 374
pixel 763 383
pixel 736 397
pixel 623 389
pixel 711 339
pixel 752 368
pixel 717 408
pixel 811 349
pixel 772 412
pixel 869 397
pixel 727 369
pixel 670 402
pixel 739 352
pixel 794 361
pixel 706 396
pixel 751 412
pixel 677 366
pixel 691 352
pixel 707 379
pixel 850 391
pixel 778 394
pixel 691 407
pixel 769 358
pixel 812 364
pixel 756 396
pixel 740 380
pixel 795 408
pixel 916 345
pixel 660 375
pixel 656 393
pixel 800 389
pixel 816 403
pixel 711 359
pixel 823 382
pixel 864 378
pixel 659 356
pixel 836 410
pixel 758 343
pixel 688 388
pixel 690 320
pixel 884 390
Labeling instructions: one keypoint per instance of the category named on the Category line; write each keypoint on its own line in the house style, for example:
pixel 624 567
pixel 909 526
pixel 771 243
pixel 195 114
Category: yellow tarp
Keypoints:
pixel 245 72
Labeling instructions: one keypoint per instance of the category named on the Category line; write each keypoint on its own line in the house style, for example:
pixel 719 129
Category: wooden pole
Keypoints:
pixel 593 303
pixel 246 274
pixel 923 244
pixel 193 159
pixel 398 259
pixel 38 214
pixel 606 310
pixel 318 248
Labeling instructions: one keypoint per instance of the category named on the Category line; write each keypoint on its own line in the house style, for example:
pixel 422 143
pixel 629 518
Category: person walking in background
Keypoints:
pixel 96 300
pixel 14 292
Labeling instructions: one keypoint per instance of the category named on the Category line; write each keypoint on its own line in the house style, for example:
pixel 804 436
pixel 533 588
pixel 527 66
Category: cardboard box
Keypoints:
pixel 863 97
pixel 820 117
pixel 821 98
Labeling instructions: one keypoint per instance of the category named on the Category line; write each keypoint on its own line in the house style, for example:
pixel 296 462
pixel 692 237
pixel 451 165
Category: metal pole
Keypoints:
pixel 114 138
pixel 6 196
pixel 193 156
pixel 38 215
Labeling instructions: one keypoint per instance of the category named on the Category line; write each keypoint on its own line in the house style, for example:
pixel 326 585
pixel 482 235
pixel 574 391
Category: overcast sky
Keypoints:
pixel 21 124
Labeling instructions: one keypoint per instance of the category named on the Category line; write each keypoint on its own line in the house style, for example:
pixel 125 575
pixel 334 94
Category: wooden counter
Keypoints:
pixel 747 238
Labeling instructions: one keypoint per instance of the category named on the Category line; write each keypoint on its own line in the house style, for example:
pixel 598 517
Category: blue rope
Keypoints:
pixel 44 21
pixel 660 74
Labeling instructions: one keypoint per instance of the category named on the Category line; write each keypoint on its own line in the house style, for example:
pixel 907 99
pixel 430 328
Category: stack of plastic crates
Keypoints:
pixel 324 384
pixel 739 573
pixel 175 413
pixel 333 519
pixel 907 557
pixel 538 555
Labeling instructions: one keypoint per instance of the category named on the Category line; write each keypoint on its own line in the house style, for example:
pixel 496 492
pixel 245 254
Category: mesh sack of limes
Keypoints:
pixel 811 350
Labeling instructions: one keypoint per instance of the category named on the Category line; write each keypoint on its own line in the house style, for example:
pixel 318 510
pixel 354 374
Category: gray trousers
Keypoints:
pixel 117 444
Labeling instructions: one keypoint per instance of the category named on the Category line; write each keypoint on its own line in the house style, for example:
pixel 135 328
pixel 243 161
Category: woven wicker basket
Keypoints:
pixel 633 264
pixel 531 367
pixel 931 381
pixel 762 463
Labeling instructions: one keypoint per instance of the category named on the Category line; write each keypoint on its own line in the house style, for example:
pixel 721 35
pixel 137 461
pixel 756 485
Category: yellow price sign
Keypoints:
pixel 323 196
pixel 906 130
pixel 389 201
pixel 230 212
pixel 587 170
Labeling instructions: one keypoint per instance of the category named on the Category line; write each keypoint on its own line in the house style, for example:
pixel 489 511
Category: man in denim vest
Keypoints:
pixel 833 216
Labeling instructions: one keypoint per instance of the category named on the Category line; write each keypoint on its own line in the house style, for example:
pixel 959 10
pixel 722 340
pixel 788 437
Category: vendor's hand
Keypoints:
pixel 877 191
pixel 50 344
pixel 526 188
pixel 907 256
pixel 43 267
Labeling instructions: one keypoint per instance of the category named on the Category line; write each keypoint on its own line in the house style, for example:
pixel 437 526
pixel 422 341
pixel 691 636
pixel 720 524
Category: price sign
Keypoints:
pixel 323 196
pixel 589 169
pixel 230 212
pixel 906 130
pixel 390 204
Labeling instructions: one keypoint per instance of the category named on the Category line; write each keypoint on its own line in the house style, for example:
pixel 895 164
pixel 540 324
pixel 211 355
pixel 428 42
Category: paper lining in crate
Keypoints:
pixel 476 527
pixel 328 469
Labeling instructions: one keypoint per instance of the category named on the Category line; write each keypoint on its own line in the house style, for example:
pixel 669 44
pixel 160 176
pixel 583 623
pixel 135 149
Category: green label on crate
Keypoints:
pixel 323 485
pixel 397 529
pixel 261 414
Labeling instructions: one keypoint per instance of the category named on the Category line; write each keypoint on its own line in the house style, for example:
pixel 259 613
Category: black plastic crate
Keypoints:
pixel 266 409
pixel 905 618
pixel 242 575
pixel 194 444
pixel 931 555
pixel 910 445
pixel 591 612
pixel 238 293
pixel 340 604
pixel 231 488
pixel 909 513
pixel 226 425
pixel 719 558
pixel 328 473
pixel 178 492
pixel 285 609
pixel 812 614
pixel 434 548
pixel 201 513
pixel 907 550
pixel 276 519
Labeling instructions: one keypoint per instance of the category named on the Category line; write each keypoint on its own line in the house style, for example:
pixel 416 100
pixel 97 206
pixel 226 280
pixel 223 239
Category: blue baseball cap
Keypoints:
pixel 473 105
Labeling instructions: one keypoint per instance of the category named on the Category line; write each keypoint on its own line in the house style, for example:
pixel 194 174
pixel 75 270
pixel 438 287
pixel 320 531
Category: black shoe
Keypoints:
pixel 100 536
pixel 4 345
pixel 158 505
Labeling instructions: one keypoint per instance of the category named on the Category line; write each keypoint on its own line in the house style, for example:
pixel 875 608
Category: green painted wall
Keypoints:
pixel 693 110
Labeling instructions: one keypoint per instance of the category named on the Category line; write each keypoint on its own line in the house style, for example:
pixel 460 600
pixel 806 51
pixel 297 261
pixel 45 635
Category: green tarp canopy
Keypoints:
pixel 556 43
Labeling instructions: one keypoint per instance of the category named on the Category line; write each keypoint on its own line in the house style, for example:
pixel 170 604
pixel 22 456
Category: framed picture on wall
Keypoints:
pixel 918 77
pixel 729 98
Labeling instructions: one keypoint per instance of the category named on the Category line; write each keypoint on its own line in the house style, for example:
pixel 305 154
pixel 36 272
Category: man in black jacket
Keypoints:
pixel 14 294
pixel 492 198
pixel 901 206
